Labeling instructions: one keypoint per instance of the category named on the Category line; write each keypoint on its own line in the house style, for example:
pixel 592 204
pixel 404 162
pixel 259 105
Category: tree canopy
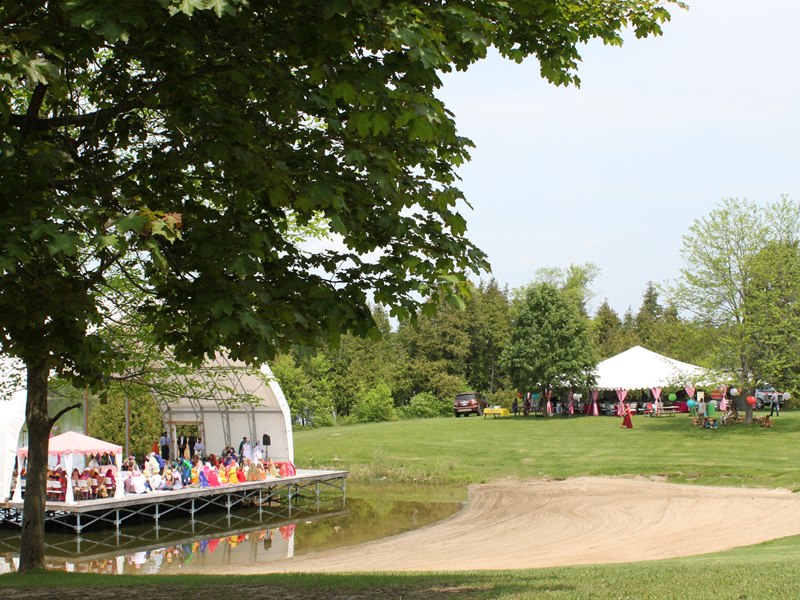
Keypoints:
pixel 551 345
pixel 187 138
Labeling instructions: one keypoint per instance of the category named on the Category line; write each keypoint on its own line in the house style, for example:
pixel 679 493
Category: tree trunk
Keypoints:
pixel 745 376
pixel 31 547
pixel 748 408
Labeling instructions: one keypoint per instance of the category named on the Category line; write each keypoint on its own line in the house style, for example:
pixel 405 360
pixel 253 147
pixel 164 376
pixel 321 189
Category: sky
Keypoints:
pixel 660 131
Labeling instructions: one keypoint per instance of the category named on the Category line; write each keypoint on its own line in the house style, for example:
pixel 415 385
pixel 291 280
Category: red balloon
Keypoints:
pixel 751 400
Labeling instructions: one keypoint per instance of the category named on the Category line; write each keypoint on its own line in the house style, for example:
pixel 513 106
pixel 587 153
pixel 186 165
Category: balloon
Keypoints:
pixel 751 400
pixel 690 403
pixel 672 397
pixel 786 395
pixel 734 392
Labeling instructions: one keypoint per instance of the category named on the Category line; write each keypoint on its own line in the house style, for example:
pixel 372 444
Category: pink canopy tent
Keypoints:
pixel 68 444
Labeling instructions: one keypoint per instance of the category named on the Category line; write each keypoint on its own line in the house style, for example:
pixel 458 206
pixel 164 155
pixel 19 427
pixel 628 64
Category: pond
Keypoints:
pixel 246 538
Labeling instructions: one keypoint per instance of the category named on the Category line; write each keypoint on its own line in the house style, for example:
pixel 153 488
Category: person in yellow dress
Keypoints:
pixel 232 476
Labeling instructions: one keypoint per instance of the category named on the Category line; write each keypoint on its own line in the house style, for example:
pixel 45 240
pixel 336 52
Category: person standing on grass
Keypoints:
pixel 627 422
pixel 775 405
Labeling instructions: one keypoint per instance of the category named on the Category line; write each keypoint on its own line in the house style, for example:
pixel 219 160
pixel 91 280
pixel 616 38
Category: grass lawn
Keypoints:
pixel 440 456
pixel 474 449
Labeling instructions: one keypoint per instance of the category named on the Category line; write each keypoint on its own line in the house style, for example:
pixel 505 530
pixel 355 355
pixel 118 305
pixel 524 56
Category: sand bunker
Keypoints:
pixel 513 524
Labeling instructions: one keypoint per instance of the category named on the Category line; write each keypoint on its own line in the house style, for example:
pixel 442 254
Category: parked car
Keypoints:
pixel 765 396
pixel 468 403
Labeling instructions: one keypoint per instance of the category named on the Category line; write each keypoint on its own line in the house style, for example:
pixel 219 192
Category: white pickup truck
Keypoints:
pixel 766 394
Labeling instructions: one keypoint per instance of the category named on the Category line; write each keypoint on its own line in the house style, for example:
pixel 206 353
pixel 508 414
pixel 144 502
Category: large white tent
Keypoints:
pixel 12 417
pixel 217 410
pixel 638 368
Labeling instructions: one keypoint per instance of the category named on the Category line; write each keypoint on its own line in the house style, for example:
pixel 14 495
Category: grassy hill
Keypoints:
pixel 460 451
pixel 449 453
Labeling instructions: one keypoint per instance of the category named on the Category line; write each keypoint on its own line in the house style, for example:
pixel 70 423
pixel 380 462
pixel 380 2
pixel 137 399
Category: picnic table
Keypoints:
pixel 496 412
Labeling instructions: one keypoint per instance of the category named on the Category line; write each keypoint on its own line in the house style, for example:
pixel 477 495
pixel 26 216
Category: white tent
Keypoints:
pixel 12 417
pixel 638 368
pixel 66 446
pixel 222 421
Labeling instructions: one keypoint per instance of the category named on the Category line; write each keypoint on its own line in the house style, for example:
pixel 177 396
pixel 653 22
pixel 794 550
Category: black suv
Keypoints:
pixel 468 403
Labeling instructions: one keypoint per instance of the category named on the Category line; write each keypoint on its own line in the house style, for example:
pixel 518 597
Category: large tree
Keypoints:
pixel 716 251
pixel 720 254
pixel 772 316
pixel 488 327
pixel 551 344
pixel 189 136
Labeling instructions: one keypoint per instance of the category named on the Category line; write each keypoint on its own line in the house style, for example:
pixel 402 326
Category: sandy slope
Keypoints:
pixel 513 524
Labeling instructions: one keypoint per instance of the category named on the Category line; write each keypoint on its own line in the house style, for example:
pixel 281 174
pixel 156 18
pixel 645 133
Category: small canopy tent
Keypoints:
pixel 229 401
pixel 67 445
pixel 638 368
pixel 12 417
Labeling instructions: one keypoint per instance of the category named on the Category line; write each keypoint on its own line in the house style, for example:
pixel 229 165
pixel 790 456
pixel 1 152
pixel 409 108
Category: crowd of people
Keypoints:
pixel 156 473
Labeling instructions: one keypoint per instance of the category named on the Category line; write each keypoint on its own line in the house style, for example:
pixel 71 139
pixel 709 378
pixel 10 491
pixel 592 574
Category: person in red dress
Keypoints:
pixel 627 423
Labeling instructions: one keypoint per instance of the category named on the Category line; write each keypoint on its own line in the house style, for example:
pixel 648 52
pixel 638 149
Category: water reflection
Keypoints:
pixel 246 538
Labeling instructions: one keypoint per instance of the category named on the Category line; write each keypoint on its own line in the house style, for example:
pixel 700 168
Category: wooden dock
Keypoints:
pixel 270 496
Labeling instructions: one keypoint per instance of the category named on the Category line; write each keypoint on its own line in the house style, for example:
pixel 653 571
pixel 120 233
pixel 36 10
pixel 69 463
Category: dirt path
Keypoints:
pixel 513 524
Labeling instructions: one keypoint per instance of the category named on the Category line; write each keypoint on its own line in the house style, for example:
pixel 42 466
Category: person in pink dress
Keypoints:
pixel 627 422
pixel 211 475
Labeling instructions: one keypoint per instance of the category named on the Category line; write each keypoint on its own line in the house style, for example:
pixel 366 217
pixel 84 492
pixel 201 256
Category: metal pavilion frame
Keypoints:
pixel 273 497
pixel 226 398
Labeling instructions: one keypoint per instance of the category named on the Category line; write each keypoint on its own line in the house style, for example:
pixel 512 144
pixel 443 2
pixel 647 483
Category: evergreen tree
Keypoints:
pixel 488 326
pixel 648 317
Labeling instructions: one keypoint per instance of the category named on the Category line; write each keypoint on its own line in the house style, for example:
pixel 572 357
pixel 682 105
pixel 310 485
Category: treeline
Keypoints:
pixel 497 343
pixel 735 309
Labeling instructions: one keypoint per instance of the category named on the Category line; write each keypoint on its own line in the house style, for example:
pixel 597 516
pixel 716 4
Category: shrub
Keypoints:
pixel 426 405
pixel 502 398
pixel 375 404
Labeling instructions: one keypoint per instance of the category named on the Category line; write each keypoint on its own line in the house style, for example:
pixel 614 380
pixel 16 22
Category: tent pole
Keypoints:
pixel 127 427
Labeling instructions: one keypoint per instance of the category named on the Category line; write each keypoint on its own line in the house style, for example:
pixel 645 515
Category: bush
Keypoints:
pixel 426 405
pixel 445 387
pixel 502 398
pixel 376 404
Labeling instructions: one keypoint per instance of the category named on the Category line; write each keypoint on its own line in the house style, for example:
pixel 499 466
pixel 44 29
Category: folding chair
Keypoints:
pixel 53 490
pixel 82 491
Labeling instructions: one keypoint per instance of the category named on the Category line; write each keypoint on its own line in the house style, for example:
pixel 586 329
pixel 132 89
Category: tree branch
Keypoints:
pixel 96 118
pixel 61 412
pixel 29 119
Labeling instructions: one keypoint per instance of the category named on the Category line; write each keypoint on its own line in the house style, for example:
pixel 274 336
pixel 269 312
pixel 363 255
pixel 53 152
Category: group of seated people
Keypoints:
pixel 157 474
pixel 99 480
pixel 90 483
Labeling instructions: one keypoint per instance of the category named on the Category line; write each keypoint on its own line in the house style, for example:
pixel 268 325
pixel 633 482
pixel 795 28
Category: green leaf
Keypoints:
pixel 64 243
pixel 133 222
